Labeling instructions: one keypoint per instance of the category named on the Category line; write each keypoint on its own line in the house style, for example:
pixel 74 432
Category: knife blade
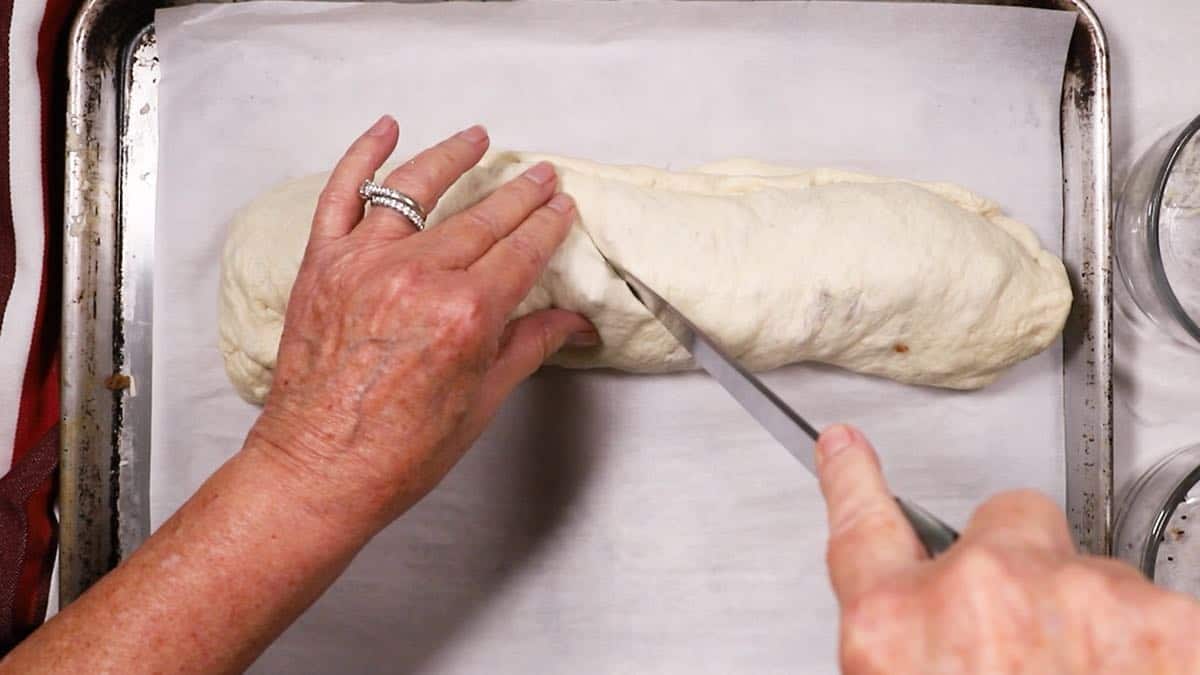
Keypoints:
pixel 792 431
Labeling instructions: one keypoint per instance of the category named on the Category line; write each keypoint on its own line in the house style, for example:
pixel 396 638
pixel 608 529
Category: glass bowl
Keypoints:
pixel 1158 233
pixel 1158 527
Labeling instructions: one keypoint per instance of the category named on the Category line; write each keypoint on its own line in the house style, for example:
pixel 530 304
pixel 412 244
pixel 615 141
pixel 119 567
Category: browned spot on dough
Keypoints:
pixel 901 348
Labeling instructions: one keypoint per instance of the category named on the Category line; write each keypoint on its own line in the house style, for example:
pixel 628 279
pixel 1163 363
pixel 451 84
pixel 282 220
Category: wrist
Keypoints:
pixel 314 468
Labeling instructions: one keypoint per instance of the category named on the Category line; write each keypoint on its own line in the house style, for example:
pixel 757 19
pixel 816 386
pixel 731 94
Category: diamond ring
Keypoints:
pixel 379 195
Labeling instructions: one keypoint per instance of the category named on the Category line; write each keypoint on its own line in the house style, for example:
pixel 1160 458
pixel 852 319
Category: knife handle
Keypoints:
pixel 935 535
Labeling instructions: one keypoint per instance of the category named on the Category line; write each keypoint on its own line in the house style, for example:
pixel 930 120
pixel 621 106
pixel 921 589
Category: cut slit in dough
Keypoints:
pixel 918 282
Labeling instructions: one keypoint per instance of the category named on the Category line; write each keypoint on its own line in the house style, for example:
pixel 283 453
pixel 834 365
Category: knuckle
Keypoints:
pixel 405 277
pixel 464 318
pixel 478 239
pixel 447 158
pixel 395 289
pixel 340 268
pixel 413 181
pixel 1025 517
pixel 869 623
pixel 850 535
pixel 482 218
pixel 517 196
pixel 1027 502
pixel 973 566
pixel 844 551
pixel 557 221
pixel 1081 580
pixel 863 524
pixel 336 197
pixel 526 190
pixel 998 600
pixel 849 466
pixel 544 341
pixel 529 253
pixel 1174 609
pixel 872 610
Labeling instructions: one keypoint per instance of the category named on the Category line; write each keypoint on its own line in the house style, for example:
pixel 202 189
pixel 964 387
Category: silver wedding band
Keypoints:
pixel 379 195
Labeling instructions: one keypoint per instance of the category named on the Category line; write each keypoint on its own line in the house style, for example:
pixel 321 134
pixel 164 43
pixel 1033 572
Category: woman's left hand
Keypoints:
pixel 396 352
pixel 396 348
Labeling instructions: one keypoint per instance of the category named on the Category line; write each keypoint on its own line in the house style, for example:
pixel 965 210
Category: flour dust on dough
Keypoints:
pixel 924 283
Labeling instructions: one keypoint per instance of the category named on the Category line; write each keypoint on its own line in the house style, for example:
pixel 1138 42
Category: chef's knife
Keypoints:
pixel 789 428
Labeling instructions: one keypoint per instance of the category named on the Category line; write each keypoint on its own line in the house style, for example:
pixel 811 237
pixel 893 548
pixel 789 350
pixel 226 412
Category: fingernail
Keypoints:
pixel 540 173
pixel 474 134
pixel 381 127
pixel 834 440
pixel 562 203
pixel 587 338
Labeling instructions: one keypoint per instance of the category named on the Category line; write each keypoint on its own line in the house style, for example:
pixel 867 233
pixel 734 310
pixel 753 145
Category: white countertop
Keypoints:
pixel 1153 57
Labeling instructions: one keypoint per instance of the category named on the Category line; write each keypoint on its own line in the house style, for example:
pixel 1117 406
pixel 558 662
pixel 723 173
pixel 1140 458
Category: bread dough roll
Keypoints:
pixel 921 283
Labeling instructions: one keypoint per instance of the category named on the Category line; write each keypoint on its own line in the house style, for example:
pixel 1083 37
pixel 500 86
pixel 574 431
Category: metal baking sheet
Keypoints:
pixel 107 354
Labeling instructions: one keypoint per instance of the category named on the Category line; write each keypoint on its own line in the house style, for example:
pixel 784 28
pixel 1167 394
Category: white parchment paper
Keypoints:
pixel 608 522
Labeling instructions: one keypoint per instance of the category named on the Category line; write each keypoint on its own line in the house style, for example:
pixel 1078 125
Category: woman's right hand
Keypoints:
pixel 1011 596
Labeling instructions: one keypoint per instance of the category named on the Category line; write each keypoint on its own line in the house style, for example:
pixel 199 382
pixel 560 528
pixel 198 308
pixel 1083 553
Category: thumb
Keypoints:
pixel 527 343
pixel 869 538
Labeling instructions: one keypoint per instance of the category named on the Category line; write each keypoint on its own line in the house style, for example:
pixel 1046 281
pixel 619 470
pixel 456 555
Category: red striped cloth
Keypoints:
pixel 32 92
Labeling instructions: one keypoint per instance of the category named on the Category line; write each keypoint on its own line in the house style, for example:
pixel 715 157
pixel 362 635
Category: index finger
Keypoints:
pixel 869 539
